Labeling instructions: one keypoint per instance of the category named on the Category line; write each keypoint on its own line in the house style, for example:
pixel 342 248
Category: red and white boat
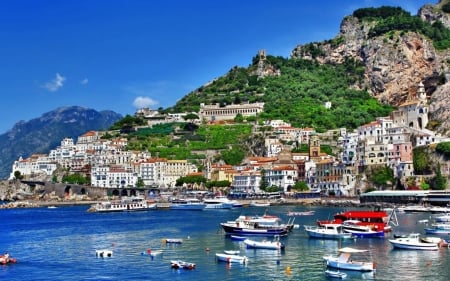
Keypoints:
pixel 377 220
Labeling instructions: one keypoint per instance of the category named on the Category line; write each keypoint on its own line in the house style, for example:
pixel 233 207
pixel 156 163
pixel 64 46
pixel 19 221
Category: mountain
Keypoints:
pixel 380 54
pixel 42 134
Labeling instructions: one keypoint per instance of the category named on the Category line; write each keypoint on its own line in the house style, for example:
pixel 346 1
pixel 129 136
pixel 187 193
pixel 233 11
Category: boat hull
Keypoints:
pixel 334 262
pixel 267 245
pixel 241 231
pixel 414 246
pixel 324 233
pixel 231 258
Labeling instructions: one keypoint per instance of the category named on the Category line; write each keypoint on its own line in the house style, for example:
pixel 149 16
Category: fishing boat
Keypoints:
pixel 413 242
pixel 377 219
pixel 327 231
pixel 179 264
pixel 357 229
pixel 265 244
pixel 231 258
pixel 191 204
pixel 345 261
pixel 335 274
pixel 125 204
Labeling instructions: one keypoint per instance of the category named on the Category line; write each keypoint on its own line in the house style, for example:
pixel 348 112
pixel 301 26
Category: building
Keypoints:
pixel 216 112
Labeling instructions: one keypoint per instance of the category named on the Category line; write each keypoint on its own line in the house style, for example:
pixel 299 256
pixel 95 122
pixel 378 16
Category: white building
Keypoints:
pixel 35 165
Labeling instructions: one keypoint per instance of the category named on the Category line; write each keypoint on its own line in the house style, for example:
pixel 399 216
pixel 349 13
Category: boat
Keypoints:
pixel 218 202
pixel 335 274
pixel 104 253
pixel 442 218
pixel 413 242
pixel 306 213
pixel 357 229
pixel 6 259
pixel 125 204
pixel 193 204
pixel 345 261
pixel 377 219
pixel 327 231
pixel 231 258
pixel 172 241
pixel 152 253
pixel 438 228
pixel 416 209
pixel 178 264
pixel 259 204
pixel 257 225
pixel 264 244
pixel 232 252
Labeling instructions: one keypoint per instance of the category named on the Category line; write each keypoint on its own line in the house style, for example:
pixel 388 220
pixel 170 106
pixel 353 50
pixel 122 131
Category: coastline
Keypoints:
pixel 328 201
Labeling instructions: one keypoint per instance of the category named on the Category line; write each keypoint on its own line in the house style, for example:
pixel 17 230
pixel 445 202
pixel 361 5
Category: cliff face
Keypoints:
pixel 395 62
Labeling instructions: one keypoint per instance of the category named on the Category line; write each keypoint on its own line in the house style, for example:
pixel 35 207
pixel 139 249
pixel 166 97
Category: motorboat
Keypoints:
pixel 265 244
pixel 327 231
pixel 438 228
pixel 345 260
pixel 191 204
pixel 125 204
pixel 335 274
pixel 6 259
pixel 258 225
pixel 230 258
pixel 442 218
pixel 103 253
pixel 218 202
pixel 305 213
pixel 357 229
pixel 259 204
pixel 413 242
pixel 172 241
pixel 179 264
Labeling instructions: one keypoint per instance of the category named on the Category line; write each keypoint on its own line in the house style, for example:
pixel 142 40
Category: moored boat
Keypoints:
pixel 177 264
pixel 305 213
pixel 229 258
pixel 257 225
pixel 413 242
pixel 172 240
pixel 438 228
pixel 327 231
pixel 6 259
pixel 345 261
pixel 357 229
pixel 192 204
pixel 377 219
pixel 218 202
pixel 125 204
pixel 264 244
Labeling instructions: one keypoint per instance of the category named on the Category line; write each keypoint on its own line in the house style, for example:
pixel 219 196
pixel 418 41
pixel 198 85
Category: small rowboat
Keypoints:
pixel 231 252
pixel 335 274
pixel 182 264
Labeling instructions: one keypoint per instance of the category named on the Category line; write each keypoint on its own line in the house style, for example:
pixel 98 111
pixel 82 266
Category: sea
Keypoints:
pixel 60 244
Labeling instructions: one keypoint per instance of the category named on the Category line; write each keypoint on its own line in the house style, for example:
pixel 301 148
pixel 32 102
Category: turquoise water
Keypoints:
pixel 60 244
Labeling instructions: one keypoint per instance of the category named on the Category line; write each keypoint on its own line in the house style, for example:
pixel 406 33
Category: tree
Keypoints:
pixel 439 181
pixel 18 175
pixel 382 177
pixel 263 184
pixel 300 186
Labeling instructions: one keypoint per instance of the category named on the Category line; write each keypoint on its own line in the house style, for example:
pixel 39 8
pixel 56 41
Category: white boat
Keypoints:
pixel 438 228
pixel 335 274
pixel 232 252
pixel 344 260
pixel 179 264
pixel 443 218
pixel 219 202
pixel 264 244
pixel 125 204
pixel 172 240
pixel 231 258
pixel 327 231
pixel 187 204
pixel 259 204
pixel 358 230
pixel 413 242
pixel 104 253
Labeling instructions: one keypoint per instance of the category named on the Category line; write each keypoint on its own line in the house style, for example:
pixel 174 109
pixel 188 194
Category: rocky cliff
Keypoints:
pixel 395 62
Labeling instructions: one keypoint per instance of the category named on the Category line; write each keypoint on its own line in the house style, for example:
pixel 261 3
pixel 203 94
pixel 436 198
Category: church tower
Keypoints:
pixel 314 147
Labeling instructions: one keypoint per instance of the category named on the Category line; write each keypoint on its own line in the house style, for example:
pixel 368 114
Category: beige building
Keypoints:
pixel 216 112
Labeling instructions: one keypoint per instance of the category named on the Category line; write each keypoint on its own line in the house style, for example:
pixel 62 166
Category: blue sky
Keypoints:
pixel 122 55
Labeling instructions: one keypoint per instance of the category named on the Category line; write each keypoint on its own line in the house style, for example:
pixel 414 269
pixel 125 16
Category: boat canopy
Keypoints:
pixel 351 250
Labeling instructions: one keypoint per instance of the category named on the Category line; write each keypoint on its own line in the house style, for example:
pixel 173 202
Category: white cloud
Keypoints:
pixel 144 102
pixel 55 84
pixel 84 81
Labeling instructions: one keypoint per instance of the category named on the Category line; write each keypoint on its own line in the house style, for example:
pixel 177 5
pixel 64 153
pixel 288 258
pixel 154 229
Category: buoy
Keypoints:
pixel 288 270
pixel 149 251
pixel 207 249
